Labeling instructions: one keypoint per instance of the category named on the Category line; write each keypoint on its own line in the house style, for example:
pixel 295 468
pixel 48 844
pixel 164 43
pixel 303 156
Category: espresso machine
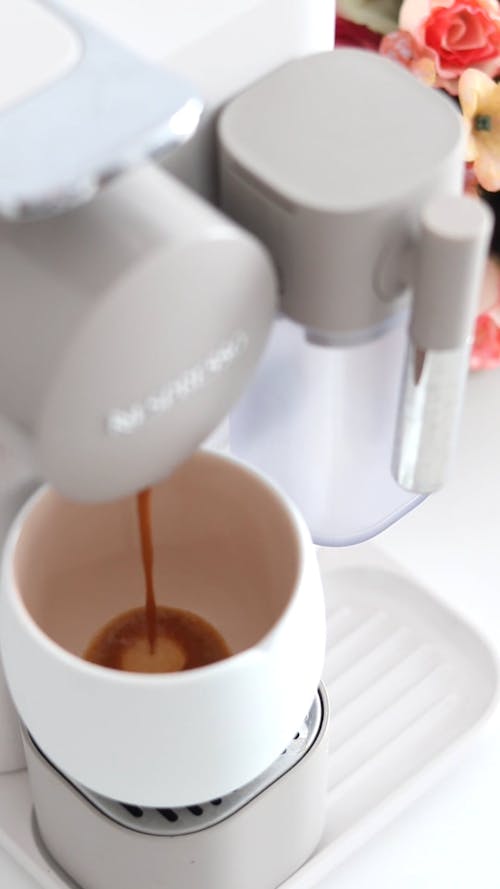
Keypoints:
pixel 228 234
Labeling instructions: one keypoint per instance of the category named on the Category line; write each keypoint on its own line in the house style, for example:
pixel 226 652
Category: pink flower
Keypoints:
pixel 401 46
pixel 479 97
pixel 459 34
pixel 486 347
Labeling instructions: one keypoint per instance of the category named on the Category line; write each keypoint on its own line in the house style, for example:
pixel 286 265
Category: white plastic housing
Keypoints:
pixel 163 28
pixel 36 49
pixel 223 46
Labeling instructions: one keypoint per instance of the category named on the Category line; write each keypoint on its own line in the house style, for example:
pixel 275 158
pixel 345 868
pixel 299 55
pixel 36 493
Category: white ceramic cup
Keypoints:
pixel 227 546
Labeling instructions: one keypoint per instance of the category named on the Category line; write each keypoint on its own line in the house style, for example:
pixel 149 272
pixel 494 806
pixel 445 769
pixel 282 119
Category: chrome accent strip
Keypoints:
pixel 428 416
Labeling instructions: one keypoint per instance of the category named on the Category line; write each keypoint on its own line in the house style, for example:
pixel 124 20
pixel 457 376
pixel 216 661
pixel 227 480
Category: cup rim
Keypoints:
pixel 127 678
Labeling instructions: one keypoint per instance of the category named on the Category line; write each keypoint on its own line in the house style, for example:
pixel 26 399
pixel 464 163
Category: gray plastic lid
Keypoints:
pixel 339 131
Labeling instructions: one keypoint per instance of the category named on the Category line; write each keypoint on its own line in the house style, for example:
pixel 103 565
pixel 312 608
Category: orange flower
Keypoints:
pixel 480 101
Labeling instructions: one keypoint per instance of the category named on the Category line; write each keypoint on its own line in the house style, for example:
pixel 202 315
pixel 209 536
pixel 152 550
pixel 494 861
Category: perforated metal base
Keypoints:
pixel 170 822
pixel 281 815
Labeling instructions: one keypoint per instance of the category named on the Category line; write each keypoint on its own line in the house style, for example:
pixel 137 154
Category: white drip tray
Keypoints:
pixel 409 683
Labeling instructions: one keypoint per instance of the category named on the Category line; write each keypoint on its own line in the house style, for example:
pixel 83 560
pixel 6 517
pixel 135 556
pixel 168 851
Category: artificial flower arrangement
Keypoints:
pixel 453 45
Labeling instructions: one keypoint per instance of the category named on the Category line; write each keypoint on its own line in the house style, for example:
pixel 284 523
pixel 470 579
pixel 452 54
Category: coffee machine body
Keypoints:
pixel 144 311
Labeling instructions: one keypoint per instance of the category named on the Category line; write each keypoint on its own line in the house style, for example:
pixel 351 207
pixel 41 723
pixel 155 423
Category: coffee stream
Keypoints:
pixel 144 510
pixel 155 639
